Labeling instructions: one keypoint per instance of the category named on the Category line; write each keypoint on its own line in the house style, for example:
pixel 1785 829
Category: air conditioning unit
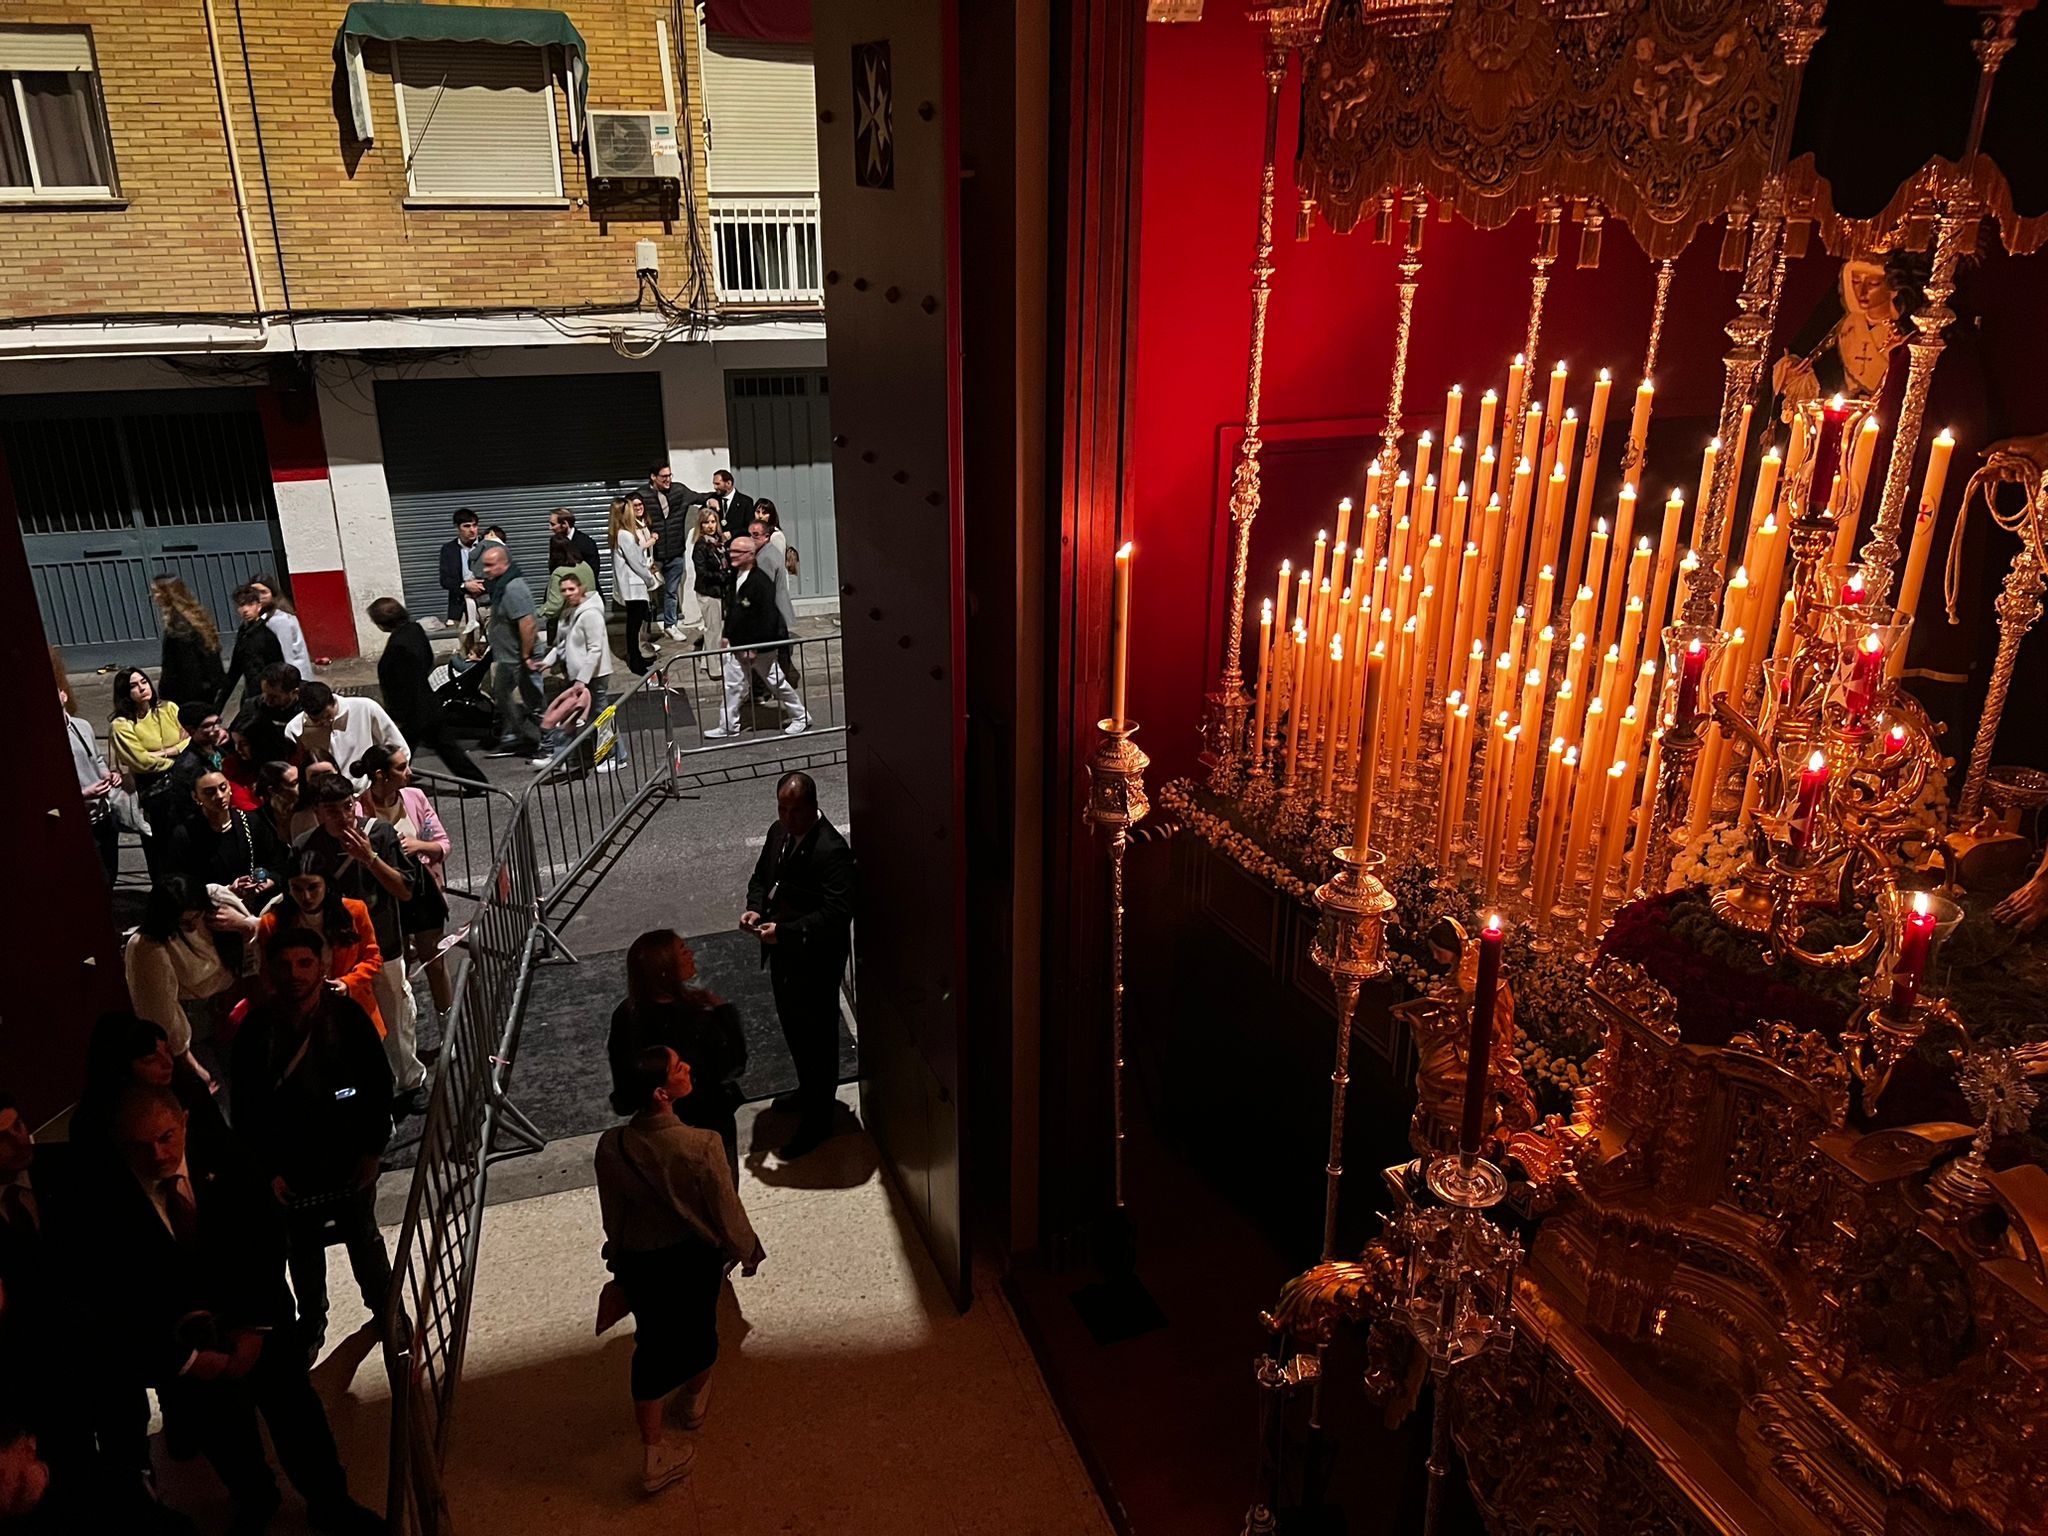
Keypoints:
pixel 634 145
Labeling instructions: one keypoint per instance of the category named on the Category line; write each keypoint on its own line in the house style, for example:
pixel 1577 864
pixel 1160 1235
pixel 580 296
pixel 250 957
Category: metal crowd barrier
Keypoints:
pixel 527 862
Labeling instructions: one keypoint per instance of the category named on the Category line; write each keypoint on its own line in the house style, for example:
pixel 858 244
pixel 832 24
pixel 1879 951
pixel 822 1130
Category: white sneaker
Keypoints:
pixel 609 765
pixel 718 732
pixel 538 763
pixel 665 1463
pixel 797 727
pixel 687 1409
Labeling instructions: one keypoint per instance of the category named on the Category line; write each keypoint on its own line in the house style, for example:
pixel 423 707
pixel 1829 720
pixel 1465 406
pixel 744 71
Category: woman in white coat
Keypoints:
pixel 630 576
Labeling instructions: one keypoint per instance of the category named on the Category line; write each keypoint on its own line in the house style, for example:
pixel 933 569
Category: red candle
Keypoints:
pixel 1692 666
pixel 1852 589
pixel 1479 1051
pixel 1914 948
pixel 1827 450
pixel 1866 672
pixel 1813 784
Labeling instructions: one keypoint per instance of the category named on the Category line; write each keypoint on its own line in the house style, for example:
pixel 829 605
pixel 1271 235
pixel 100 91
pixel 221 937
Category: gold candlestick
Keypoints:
pixel 1351 945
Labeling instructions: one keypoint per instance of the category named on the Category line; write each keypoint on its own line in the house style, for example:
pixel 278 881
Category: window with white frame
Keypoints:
pixel 53 127
pixel 477 121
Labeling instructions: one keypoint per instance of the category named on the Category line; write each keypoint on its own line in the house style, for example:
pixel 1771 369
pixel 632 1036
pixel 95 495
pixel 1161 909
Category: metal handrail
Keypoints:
pixel 541 845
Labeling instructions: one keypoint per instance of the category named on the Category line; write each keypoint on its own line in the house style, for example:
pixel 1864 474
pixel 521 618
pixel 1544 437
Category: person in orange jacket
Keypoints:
pixel 311 901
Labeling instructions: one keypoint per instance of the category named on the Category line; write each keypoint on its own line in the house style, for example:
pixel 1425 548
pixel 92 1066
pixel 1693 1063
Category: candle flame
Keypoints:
pixel 1489 395
pixel 1839 401
pixel 1424 439
pixel 1125 552
pixel 1603 376
pixel 1266 611
pixel 1520 361
pixel 1286 567
pixel 1600 527
pixel 1692 648
pixel 1493 924
pixel 1559 368
pixel 1336 647
pixel 1817 762
pixel 1620 767
pixel 1343 503
pixel 1643 545
pixel 1571 757
pixel 1872 643
pixel 1741 575
pixel 1464 490
pixel 1322 535
pixel 1557 745
pixel 1455 697
pixel 1533 680
pixel 1945 437
pixel 1546 634
pixel 1921 904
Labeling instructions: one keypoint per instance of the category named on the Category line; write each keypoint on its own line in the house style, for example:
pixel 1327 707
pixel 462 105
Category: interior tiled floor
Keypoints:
pixel 849 1396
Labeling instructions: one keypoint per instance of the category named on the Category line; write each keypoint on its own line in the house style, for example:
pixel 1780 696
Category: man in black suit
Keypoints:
pixel 405 676
pixel 800 906
pixel 460 576
pixel 562 525
pixel 753 623
pixel 191 1267
pixel 735 507
pixel 256 649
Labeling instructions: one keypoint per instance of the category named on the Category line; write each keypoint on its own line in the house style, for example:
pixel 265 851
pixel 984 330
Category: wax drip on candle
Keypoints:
pixel 1916 944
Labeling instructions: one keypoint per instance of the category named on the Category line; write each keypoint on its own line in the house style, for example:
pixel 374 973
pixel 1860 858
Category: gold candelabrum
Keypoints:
pixel 1351 945
pixel 1116 803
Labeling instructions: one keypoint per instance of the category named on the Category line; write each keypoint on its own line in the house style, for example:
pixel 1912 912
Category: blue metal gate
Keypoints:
pixel 113 490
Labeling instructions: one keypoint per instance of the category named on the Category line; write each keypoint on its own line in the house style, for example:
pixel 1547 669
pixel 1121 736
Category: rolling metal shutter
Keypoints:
pixel 764 116
pixel 479 120
pixel 514 449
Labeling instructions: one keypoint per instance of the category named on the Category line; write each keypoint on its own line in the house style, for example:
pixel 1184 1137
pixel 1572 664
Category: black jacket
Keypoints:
pixel 713 574
pixel 586 549
pixel 404 677
pixel 736 512
pixel 192 671
pixel 805 888
pixel 311 1117
pixel 160 1296
pixel 753 619
pixel 256 647
pixel 249 845
pixel 451 574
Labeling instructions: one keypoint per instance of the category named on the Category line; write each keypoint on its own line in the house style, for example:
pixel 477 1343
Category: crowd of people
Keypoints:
pixel 709 568
pixel 231 1124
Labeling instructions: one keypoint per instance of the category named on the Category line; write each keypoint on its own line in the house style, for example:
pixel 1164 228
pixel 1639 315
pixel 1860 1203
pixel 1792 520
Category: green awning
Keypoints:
pixel 394 21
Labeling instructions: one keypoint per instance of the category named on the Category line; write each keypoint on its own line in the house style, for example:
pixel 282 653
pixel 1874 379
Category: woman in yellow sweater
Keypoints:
pixel 147 734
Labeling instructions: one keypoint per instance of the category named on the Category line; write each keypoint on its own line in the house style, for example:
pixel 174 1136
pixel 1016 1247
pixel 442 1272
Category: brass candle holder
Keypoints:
pixel 1116 803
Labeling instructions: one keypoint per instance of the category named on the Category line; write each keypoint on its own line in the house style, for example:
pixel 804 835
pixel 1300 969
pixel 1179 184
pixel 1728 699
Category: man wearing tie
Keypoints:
pixel 192 1267
pixel 735 507
pixel 800 906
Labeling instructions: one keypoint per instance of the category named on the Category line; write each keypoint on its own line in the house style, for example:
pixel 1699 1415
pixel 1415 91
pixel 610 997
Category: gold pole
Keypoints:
pixel 1227 706
pixel 1411 274
pixel 1664 271
pixel 1957 215
pixel 1549 222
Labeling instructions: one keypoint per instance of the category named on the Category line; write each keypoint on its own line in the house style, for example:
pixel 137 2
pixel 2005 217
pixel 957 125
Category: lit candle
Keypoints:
pixel 1120 635
pixel 1529 750
pixel 1402 485
pixel 1454 467
pixel 1518 628
pixel 1266 659
pixel 1295 711
pixel 1369 742
pixel 1813 788
pixel 1482 480
pixel 1667 563
pixel 1866 673
pixel 1479 1048
pixel 1557 774
pixel 1369 532
pixel 1582 611
pixel 1343 521
pixel 1546 600
pixel 1330 733
pixel 1492 530
pixel 1638 432
pixel 1702 502
pixel 1585 811
pixel 1859 466
pixel 1646 811
pixel 1692 669
pixel 1452 809
pixel 1516 534
pixel 1553 416
pixel 1322 550
pixel 1610 843
pixel 1915 945
pixel 1398 546
pixel 1760 506
pixel 1490 774
pixel 1424 446
pixel 1454 410
pixel 1782 646
pixel 1924 521
pixel 1532 432
pixel 1412 696
pixel 1280 599
pixel 1766 560
pixel 1631 635
pixel 1511 411
pixel 1569 534
pixel 1853 589
pixel 1826 450
pixel 1589 465
pixel 1543 553
pixel 1617 560
pixel 1639 572
pixel 1596 572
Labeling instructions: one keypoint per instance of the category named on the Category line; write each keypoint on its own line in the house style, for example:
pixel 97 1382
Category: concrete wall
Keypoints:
pixel 327 459
pixel 171 242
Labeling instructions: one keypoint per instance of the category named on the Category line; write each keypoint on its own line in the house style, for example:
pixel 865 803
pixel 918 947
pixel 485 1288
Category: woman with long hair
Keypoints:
pixel 282 619
pixel 146 732
pixel 192 671
pixel 278 790
pixel 310 900
pixel 630 576
pixel 170 960
pixel 393 798
pixel 710 577
pixel 662 1008
pixel 673 1226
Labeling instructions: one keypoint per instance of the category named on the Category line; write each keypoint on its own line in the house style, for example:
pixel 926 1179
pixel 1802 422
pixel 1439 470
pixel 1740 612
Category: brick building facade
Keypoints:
pixel 245 238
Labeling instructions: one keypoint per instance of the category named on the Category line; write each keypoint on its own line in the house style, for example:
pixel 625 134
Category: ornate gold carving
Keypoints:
pixel 1663 114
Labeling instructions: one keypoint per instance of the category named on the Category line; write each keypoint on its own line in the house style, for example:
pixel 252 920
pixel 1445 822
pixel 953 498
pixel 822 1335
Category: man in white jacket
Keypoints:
pixel 584 650
pixel 343 727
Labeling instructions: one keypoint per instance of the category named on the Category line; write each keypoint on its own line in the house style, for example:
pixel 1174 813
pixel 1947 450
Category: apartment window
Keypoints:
pixel 53 128
pixel 478 122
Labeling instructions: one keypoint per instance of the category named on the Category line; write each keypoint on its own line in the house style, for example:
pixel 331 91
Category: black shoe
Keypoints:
pixel 803 1145
pixel 508 749
pixel 343 1517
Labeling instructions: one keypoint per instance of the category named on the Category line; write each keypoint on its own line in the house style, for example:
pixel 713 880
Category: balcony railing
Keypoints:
pixel 767 250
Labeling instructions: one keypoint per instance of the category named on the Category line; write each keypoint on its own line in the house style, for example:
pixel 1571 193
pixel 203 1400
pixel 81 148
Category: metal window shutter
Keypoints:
pixel 491 132
pixel 514 449
pixel 764 115
pixel 47 52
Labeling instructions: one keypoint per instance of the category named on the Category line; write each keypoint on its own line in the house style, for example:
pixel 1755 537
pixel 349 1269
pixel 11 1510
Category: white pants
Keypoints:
pixel 766 666
pixel 401 1024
